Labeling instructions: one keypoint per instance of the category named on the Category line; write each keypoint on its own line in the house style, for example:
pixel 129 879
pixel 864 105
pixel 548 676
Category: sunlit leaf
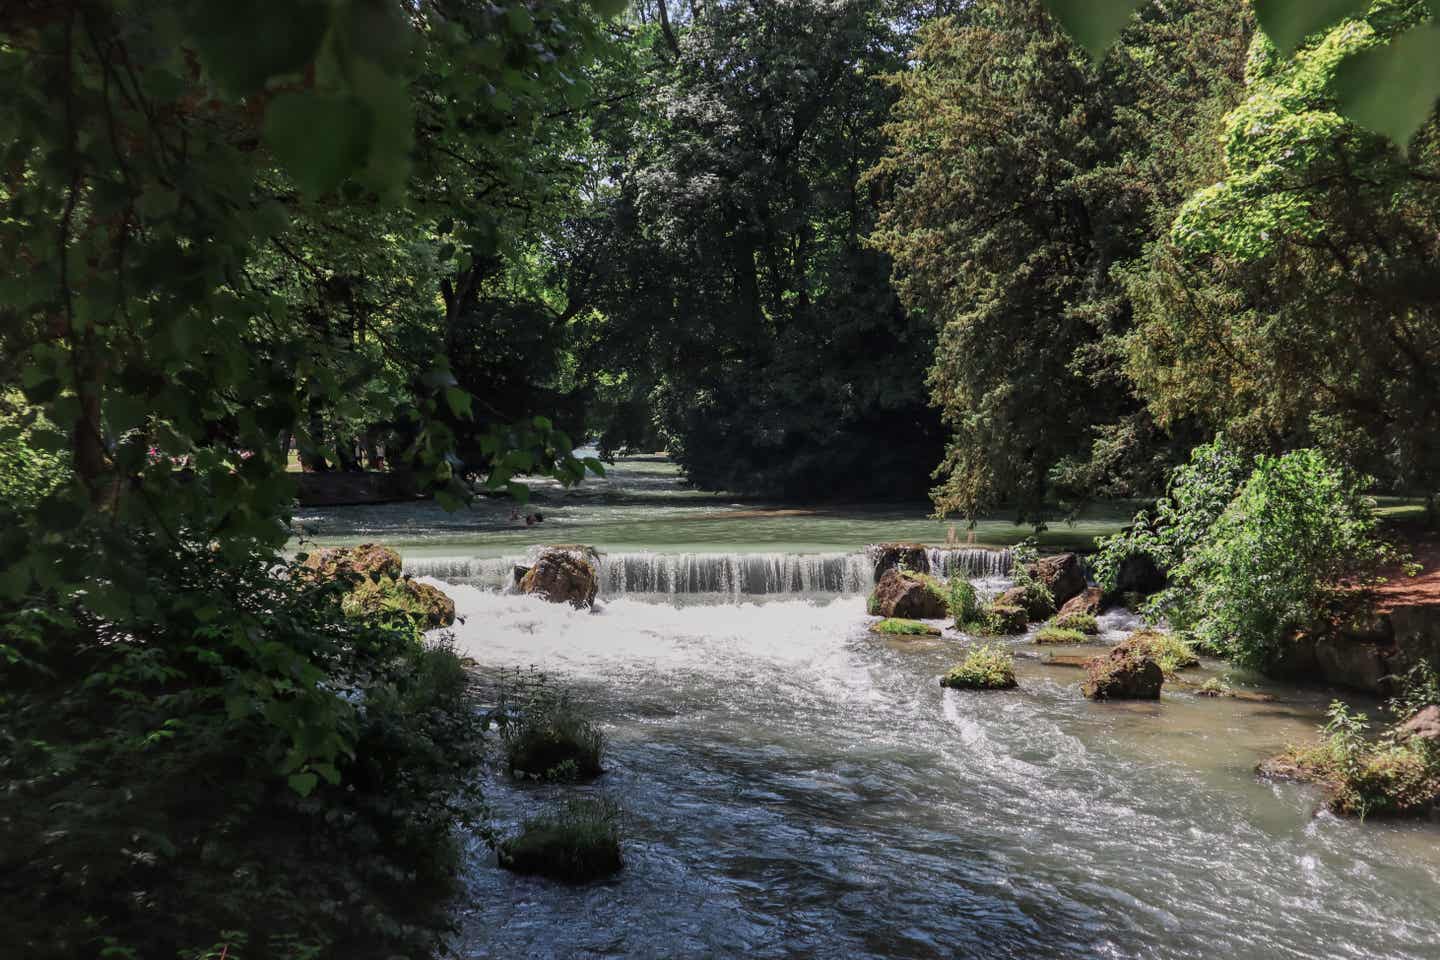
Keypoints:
pixel 1093 23
pixel 1393 89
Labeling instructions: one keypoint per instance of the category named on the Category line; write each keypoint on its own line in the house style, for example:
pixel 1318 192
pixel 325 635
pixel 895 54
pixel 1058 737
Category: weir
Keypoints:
pixel 735 574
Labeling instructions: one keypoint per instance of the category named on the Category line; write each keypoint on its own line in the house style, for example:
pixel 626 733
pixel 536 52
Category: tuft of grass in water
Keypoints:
pixel 575 843
pixel 963 602
pixel 1214 687
pixel 1083 622
pixel 898 627
pixel 553 741
pixel 1059 635
pixel 986 667
pixel 1168 650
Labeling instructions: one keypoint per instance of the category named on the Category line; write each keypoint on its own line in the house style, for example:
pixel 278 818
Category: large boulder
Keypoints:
pixel 1061 574
pixel 563 575
pixel 1087 601
pixel 908 596
pixel 1127 672
pixel 386 599
pixel 1139 573
pixel 366 561
pixel 1036 606
pixel 1424 725
pixel 894 556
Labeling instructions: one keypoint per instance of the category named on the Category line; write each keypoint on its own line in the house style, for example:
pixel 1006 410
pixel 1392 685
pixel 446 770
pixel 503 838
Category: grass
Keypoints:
pixel 986 667
pixel 1060 635
pixel 1214 687
pixel 1083 622
pixel 575 843
pixel 1168 650
pixel 963 602
pixel 553 741
pixel 897 627
pixel 1004 620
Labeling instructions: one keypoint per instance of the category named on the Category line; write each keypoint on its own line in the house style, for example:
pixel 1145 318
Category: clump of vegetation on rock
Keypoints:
pixel 1059 635
pixel 908 595
pixel 553 741
pixel 1397 775
pixel 898 627
pixel 1082 622
pixel 1214 687
pixel 986 667
pixel 1168 650
pixel 401 602
pixel 1005 620
pixel 577 843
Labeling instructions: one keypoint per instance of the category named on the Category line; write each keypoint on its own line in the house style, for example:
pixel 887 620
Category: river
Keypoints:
pixel 794 786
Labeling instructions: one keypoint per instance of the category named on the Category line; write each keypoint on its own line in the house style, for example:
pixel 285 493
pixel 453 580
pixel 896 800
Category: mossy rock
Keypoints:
pixel 1059 635
pixel 578 843
pixel 352 564
pixel 984 668
pixel 1127 672
pixel 1083 622
pixel 1172 653
pixel 908 596
pixel 564 575
pixel 386 599
pixel 896 627
pixel 1006 620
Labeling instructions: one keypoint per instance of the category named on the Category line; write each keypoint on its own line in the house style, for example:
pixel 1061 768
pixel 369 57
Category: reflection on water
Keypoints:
pixel 796 787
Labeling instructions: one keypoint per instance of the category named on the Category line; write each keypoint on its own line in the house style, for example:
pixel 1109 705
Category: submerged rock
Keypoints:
pixel 563 575
pixel 893 556
pixel 1062 575
pixel 1127 672
pixel 1087 601
pixel 908 596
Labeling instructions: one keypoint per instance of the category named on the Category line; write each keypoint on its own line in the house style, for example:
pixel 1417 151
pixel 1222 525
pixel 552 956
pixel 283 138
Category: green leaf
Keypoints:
pixel 303 783
pixel 320 139
pixel 1288 22
pixel 609 8
pixel 243 45
pixel 1094 24
pixel 1392 89
pixel 458 401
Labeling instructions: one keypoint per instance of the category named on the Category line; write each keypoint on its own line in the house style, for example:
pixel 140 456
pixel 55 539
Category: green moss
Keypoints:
pixel 894 626
pixel 1214 687
pixel 552 741
pixel 1168 650
pixel 1083 622
pixel 872 606
pixel 578 843
pixel 1057 635
pixel 987 667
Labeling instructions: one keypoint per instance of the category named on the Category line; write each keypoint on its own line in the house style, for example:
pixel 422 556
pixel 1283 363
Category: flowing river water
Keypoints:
pixel 794 786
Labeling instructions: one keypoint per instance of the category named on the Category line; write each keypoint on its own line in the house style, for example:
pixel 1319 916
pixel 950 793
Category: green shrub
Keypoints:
pixel 986 667
pixel 1005 620
pixel 1083 622
pixel 1419 688
pixel 1213 687
pixel 578 843
pixel 1059 635
pixel 963 602
pixel 1273 560
pixel 1363 778
pixel 895 626
pixel 552 740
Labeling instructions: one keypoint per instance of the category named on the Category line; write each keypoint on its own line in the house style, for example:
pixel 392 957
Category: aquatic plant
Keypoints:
pixel 986 667
pixel 551 740
pixel 576 843
pixel 1060 635
pixel 1168 650
pixel 900 627
pixel 963 602
pixel 1083 622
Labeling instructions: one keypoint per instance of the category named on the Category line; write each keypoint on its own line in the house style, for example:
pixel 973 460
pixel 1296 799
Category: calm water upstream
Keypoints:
pixel 796 787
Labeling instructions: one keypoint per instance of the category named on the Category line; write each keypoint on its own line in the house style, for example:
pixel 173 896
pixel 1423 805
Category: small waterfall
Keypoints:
pixel 969 562
pixel 733 574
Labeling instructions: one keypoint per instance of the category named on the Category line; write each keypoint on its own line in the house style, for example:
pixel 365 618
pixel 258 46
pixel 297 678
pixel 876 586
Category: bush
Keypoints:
pixel 1363 778
pixel 217 757
pixel 1059 635
pixel 1272 562
pixel 552 740
pixel 578 843
pixel 987 667
pixel 1083 622
pixel 1005 620
pixel 963 602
